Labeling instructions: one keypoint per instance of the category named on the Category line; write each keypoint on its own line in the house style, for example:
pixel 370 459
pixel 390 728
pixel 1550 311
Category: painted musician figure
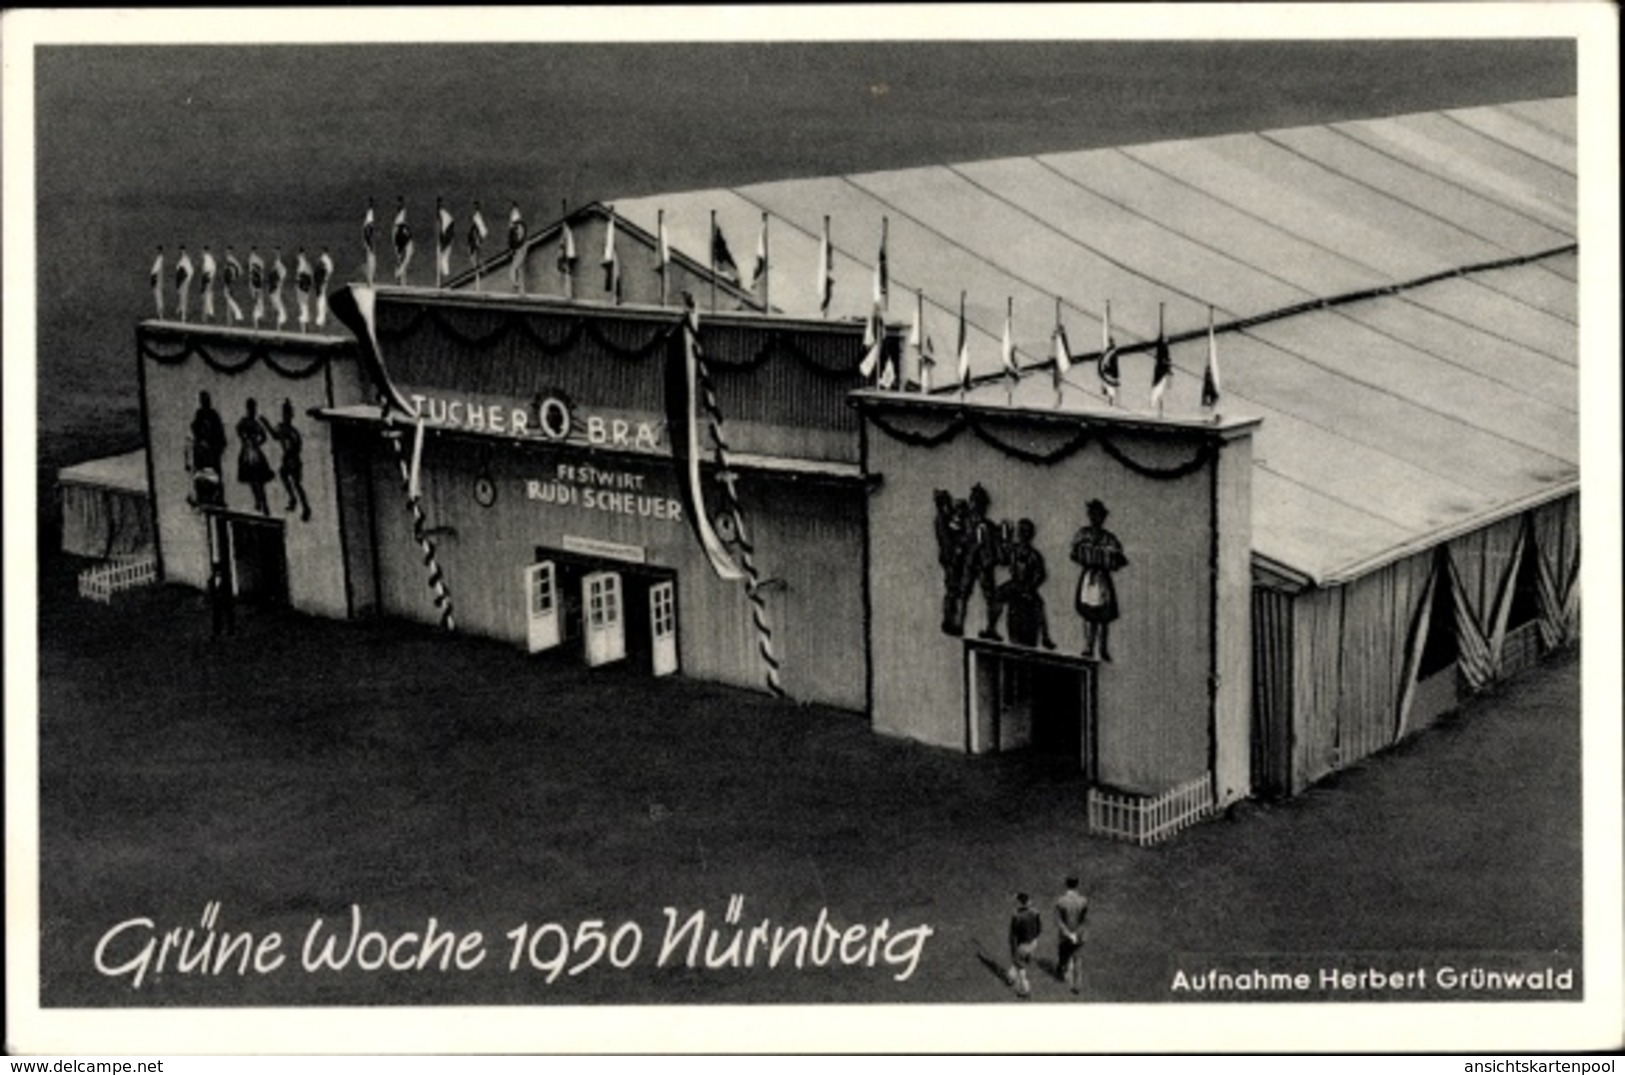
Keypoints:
pixel 1029 625
pixel 207 447
pixel 950 530
pixel 1099 553
pixel 981 552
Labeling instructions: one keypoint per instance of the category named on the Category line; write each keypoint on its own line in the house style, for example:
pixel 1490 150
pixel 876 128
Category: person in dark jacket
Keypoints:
pixel 1025 926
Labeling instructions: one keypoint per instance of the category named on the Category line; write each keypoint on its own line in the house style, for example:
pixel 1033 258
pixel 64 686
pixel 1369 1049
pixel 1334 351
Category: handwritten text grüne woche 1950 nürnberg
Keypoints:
pixel 139 951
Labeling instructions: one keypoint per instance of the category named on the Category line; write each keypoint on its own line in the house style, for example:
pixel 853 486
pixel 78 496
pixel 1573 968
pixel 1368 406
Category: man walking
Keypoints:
pixel 1025 926
pixel 1070 911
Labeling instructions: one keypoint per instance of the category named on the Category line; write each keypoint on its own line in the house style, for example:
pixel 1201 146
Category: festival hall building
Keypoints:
pixel 1309 480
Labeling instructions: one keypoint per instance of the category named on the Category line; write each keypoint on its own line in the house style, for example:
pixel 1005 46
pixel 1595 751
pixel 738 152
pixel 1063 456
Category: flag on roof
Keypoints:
pixel 1210 377
pixel 663 258
pixel 964 348
pixel 611 260
pixel 183 280
pixel 206 284
pixel 516 228
pixel 516 240
pixel 874 341
pixel 447 238
pixel 826 272
pixel 1007 346
pixel 567 249
pixel 234 269
pixel 1063 356
pixel 1110 376
pixel 888 371
pixel 324 275
pixel 915 329
pixel 882 270
pixel 279 273
pixel 477 232
pixel 256 283
pixel 369 239
pixel 303 278
pixel 1162 372
pixel 403 243
pixel 758 273
pixel 928 362
pixel 722 258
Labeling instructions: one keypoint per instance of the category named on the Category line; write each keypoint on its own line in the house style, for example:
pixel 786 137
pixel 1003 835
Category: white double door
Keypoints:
pixel 603 605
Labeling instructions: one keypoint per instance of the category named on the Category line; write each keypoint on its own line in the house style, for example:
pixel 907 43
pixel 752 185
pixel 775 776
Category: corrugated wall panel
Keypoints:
pixel 1316 673
pixel 1232 649
pixel 1272 692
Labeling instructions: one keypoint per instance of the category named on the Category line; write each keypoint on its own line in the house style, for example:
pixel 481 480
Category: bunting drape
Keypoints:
pixel 1556 532
pixel 1483 568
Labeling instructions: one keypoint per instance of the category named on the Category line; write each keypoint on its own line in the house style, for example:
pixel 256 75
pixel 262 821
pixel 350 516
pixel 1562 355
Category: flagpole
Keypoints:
pixel 660 251
pixel 885 291
pixel 1059 375
pixel 919 338
pixel 1010 333
pixel 439 239
pixel 826 255
pixel 1161 343
pixel 713 245
pixel 964 374
pixel 566 266
pixel 1106 329
pixel 767 262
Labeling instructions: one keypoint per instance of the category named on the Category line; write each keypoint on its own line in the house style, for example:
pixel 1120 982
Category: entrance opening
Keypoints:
pixel 617 611
pixel 254 552
pixel 1027 702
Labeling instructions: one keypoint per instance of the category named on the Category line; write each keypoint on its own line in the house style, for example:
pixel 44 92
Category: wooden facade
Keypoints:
pixel 1162 714
pixel 309 373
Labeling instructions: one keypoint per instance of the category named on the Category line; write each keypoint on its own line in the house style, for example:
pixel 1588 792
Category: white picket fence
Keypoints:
pixel 102 581
pixel 1147 820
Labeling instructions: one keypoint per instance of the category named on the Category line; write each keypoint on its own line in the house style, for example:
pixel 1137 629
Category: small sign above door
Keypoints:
pixel 612 550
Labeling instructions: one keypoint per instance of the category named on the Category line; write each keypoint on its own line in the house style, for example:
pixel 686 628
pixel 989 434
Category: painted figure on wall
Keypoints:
pixel 984 550
pixel 1099 553
pixel 292 470
pixel 950 529
pixel 206 447
pixel 252 468
pixel 1029 624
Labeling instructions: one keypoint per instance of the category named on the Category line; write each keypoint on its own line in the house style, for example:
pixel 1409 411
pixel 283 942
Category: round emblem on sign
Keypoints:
pixel 485 490
pixel 725 526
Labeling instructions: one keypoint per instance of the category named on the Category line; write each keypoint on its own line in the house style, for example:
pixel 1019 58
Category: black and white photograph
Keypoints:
pixel 773 529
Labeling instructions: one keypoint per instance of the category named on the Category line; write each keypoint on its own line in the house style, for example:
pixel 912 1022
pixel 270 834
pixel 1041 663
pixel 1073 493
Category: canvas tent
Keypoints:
pixel 1396 299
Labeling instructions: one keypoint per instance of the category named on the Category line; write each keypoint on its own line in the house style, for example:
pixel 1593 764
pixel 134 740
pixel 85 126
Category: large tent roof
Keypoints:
pixel 1445 396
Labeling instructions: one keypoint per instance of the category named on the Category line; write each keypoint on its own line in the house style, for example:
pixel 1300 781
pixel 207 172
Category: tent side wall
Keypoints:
pixel 1342 672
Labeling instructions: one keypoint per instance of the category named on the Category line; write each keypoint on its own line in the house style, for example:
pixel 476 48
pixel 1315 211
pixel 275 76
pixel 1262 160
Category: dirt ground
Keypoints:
pixel 303 766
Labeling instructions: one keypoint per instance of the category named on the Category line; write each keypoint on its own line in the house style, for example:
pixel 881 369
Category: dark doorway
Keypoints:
pixel 255 555
pixel 1020 701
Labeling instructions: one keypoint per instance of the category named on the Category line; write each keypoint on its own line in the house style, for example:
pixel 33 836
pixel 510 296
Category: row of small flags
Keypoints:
pixel 446 231
pixel 881 366
pixel 878 364
pixel 265 282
